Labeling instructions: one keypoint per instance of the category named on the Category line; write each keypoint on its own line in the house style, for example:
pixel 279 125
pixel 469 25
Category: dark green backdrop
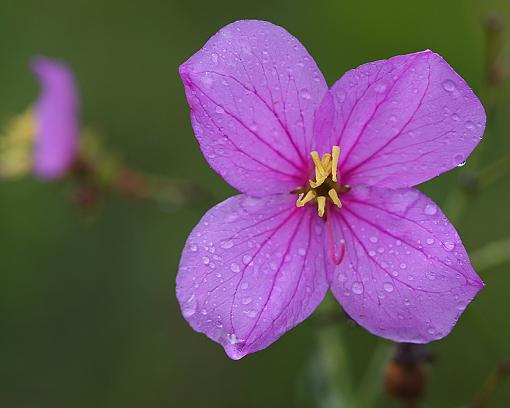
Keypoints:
pixel 88 315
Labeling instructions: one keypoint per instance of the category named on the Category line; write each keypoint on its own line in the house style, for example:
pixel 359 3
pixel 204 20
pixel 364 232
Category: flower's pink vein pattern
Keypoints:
pixel 414 99
pixel 424 276
pixel 261 88
pixel 256 265
pixel 272 281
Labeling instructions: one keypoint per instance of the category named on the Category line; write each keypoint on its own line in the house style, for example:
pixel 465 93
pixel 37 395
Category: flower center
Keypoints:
pixel 326 186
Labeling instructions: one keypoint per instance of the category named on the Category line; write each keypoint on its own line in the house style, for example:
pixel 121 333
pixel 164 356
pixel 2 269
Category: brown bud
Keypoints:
pixel 403 381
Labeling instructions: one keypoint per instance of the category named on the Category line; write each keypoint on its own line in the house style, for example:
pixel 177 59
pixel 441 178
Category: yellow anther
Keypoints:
pixel 334 197
pixel 321 204
pixel 326 170
pixel 336 155
pixel 318 164
pixel 326 158
pixel 303 199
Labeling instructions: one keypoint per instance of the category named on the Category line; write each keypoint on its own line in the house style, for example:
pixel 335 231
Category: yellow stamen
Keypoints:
pixel 326 158
pixel 321 204
pixel 336 155
pixel 334 197
pixel 308 197
pixel 326 170
pixel 317 161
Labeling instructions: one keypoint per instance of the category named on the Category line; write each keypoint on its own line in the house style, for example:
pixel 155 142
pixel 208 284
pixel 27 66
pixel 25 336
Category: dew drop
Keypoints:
pixel 374 239
pixel 459 159
pixel 470 125
pixel 341 277
pixel 461 307
pixel 305 94
pixel 247 259
pixel 430 209
pixel 227 244
pixel 448 245
pixel 251 313
pixel 430 241
pixel 388 287
pixel 235 267
pixel 193 248
pixel 206 260
pixel 449 85
pixel 357 288
pixel 244 285
pixel 246 300
pixel 403 266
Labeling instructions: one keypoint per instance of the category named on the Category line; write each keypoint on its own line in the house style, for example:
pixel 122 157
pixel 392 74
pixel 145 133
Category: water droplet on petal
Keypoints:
pixel 430 209
pixel 247 259
pixel 448 245
pixel 449 85
pixel 357 288
pixel 388 287
pixel 305 94
pixel 227 244
pixel 206 260
pixel 235 267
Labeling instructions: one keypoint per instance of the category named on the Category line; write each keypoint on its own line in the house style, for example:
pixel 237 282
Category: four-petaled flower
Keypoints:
pixel 259 263
pixel 56 123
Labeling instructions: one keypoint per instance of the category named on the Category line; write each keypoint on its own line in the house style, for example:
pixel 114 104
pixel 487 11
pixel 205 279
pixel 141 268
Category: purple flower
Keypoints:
pixel 328 200
pixel 56 119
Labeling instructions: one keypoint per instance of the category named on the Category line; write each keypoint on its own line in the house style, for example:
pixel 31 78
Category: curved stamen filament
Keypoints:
pixel 334 197
pixel 303 199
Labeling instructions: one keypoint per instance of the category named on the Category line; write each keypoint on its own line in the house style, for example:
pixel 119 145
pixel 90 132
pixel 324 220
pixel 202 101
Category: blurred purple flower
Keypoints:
pixel 259 263
pixel 56 119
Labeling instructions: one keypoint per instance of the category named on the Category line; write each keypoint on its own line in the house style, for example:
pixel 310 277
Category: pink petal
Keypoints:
pixel 406 275
pixel 252 269
pixel 56 117
pixel 400 122
pixel 253 90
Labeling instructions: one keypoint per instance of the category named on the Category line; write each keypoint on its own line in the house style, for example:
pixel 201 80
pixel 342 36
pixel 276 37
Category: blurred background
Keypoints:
pixel 88 315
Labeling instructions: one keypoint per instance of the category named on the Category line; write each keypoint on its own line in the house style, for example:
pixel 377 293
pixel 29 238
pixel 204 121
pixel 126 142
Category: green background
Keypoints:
pixel 88 315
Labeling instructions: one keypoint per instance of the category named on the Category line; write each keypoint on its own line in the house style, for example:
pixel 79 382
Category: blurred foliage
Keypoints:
pixel 88 315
